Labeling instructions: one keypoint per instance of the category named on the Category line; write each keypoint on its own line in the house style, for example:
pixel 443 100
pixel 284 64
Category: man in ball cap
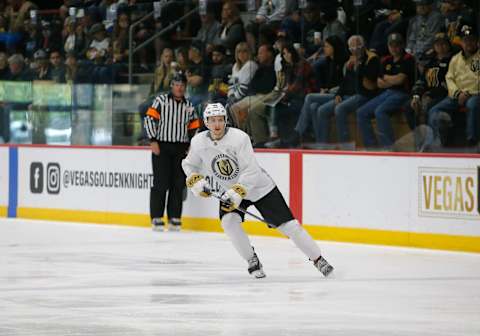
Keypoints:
pixel 396 77
pixel 463 82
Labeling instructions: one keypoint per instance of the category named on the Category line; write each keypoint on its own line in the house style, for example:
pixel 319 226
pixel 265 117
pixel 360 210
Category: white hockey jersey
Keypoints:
pixel 226 162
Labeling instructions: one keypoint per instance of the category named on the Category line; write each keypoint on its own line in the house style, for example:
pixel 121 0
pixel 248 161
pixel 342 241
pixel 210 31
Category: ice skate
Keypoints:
pixel 158 225
pixel 323 266
pixel 255 267
pixel 174 225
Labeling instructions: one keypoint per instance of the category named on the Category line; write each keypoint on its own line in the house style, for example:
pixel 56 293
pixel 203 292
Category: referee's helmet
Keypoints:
pixel 179 77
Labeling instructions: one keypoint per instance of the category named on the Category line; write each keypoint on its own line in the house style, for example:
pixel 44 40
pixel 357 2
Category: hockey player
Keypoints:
pixel 226 155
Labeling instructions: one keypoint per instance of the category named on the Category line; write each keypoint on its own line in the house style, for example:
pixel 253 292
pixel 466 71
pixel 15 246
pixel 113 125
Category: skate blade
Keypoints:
pixel 327 270
pixel 158 228
pixel 258 274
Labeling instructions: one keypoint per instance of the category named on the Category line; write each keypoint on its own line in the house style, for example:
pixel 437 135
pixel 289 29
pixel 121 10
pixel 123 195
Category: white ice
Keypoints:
pixel 84 279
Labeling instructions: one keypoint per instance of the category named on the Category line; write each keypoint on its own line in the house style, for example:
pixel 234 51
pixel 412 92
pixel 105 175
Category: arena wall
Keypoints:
pixel 412 200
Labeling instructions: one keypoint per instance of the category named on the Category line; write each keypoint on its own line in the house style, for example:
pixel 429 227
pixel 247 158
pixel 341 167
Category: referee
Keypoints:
pixel 168 123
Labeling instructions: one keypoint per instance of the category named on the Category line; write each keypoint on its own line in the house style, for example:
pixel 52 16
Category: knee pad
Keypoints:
pixel 290 228
pixel 230 220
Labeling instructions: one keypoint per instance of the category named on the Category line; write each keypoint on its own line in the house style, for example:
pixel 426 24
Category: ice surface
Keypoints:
pixel 82 279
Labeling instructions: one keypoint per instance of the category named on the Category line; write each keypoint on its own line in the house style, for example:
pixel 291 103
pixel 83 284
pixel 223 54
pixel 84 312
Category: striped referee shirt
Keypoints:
pixel 169 120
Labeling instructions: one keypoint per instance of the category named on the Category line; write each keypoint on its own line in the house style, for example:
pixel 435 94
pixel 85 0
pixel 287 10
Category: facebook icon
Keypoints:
pixel 36 177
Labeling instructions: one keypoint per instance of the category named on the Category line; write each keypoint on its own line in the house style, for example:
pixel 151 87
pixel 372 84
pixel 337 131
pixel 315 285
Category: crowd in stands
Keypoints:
pixel 291 72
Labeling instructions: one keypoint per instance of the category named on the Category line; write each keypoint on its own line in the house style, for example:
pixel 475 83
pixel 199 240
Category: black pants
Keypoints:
pixel 168 176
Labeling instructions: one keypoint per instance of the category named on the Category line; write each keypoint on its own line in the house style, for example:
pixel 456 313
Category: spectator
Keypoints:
pixel 392 17
pixel 397 76
pixel 18 71
pixel 298 76
pixel 120 38
pixel 331 75
pixel 75 72
pixel 221 71
pixel 422 29
pixel 209 30
pixel 198 74
pixel 357 87
pixel 267 21
pixel 74 38
pixel 57 67
pixel 463 89
pixel 100 46
pixel 431 88
pixel 181 60
pixel 301 26
pixel 242 73
pixel 41 66
pixel 250 112
pixel 232 31
pixel 333 26
pixel 457 14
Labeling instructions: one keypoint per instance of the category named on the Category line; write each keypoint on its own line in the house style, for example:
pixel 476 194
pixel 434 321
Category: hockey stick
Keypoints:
pixel 246 212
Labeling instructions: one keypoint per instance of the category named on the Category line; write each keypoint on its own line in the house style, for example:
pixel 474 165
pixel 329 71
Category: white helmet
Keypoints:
pixel 213 110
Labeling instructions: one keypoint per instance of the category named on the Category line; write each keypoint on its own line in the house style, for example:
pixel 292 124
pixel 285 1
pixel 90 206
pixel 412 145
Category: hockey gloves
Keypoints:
pixel 232 198
pixel 198 185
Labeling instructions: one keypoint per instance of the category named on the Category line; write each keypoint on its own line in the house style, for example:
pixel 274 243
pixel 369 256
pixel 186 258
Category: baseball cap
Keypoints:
pixel 441 37
pixel 395 38
pixel 467 31
pixel 40 54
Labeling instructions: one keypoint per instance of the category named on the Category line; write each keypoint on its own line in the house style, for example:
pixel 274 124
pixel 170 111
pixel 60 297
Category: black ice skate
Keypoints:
pixel 158 225
pixel 255 267
pixel 323 266
pixel 174 225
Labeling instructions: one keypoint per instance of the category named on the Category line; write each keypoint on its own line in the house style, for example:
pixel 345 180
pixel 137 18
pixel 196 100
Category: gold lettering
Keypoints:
pixel 437 192
pixel 458 206
pixel 447 193
pixel 470 203
pixel 427 190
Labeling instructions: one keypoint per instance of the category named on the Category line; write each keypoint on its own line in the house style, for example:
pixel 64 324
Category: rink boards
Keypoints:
pixel 4 177
pixel 408 200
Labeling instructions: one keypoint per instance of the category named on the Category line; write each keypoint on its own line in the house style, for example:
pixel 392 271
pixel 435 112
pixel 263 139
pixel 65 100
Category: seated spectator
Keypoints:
pixel 120 39
pixel 330 77
pixel 75 72
pixel 393 17
pixel 267 21
pixel 333 26
pixel 208 31
pixel 422 29
pixel 250 112
pixel 74 38
pixel 232 31
pixel 301 27
pixel 243 71
pixel 358 86
pixel 457 14
pixel 397 76
pixel 18 70
pixel 431 88
pixel 463 89
pixel 100 45
pixel 299 81
pixel 221 71
pixel 41 66
pixel 198 75
pixel 57 67
pixel 181 62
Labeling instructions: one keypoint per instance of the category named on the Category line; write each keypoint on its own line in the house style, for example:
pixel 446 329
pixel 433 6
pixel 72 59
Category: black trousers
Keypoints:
pixel 168 176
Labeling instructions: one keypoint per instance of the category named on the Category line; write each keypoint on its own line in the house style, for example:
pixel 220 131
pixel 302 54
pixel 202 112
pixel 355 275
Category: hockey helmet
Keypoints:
pixel 179 77
pixel 213 110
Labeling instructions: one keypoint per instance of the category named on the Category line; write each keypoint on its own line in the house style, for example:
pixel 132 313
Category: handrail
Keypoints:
pixel 131 50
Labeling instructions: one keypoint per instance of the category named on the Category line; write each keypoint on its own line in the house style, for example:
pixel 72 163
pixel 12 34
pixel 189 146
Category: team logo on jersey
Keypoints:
pixel 224 167
pixel 475 66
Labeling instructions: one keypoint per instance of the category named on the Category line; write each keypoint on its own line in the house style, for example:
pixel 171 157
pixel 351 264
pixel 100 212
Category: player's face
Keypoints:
pixel 216 125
